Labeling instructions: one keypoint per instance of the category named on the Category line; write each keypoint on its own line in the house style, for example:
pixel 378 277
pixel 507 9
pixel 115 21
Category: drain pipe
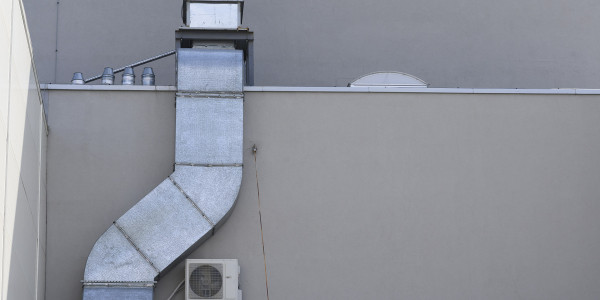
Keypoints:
pixel 186 208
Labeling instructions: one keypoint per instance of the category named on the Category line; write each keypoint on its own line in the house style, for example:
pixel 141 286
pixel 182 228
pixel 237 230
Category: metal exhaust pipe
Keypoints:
pixel 108 76
pixel 128 76
pixel 77 78
pixel 148 76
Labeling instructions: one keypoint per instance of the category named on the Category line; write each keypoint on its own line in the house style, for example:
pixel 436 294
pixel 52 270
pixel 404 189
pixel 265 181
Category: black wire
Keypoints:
pixel 254 150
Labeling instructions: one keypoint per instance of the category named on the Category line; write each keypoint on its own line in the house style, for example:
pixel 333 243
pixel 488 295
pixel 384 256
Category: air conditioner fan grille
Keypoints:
pixel 206 281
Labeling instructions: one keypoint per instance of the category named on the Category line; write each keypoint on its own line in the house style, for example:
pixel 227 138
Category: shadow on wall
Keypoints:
pixel 24 202
pixel 22 163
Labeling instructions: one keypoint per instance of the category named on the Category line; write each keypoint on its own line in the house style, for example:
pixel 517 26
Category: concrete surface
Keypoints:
pixel 364 195
pixel 22 163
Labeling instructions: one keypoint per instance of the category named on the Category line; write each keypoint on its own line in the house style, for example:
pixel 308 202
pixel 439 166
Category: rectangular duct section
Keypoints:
pixel 210 70
pixel 211 132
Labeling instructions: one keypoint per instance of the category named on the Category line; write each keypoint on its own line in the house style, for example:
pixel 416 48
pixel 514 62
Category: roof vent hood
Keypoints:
pixel 187 207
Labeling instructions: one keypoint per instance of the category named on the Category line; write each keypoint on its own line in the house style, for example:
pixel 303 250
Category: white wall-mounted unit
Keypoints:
pixel 211 279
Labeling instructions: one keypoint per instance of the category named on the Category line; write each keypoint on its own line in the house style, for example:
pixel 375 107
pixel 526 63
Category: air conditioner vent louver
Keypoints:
pixel 206 281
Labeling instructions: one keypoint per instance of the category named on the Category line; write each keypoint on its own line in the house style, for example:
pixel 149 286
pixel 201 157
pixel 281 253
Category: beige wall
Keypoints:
pixel 22 162
pixel 364 195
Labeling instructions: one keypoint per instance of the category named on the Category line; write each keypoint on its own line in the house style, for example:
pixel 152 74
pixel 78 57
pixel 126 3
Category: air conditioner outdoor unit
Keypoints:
pixel 211 279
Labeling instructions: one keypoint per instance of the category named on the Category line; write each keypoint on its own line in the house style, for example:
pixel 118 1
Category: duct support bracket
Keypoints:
pixel 242 38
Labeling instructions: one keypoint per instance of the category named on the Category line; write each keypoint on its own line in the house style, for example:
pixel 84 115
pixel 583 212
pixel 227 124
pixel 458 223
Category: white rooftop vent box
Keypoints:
pixel 214 14
pixel 212 279
pixel 388 80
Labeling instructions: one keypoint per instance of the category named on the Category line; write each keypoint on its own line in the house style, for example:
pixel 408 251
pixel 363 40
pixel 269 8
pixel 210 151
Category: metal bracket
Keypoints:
pixel 243 39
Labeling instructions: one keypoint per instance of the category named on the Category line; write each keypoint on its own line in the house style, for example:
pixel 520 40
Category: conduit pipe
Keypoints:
pixel 184 210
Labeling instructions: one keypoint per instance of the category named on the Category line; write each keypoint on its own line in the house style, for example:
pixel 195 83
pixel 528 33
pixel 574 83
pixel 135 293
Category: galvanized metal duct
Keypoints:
pixel 182 211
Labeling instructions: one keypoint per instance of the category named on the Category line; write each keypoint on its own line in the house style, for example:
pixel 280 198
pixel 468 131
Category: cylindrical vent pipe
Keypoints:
pixel 108 76
pixel 148 76
pixel 128 76
pixel 77 78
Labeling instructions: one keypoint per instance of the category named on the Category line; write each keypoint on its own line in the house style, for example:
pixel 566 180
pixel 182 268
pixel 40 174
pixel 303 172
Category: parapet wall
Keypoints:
pixel 364 195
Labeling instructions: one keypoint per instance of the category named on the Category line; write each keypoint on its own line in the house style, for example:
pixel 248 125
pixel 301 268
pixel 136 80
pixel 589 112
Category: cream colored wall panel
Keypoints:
pixel 21 55
pixel 4 67
pixel 13 169
pixel 17 120
pixel 3 133
pixel 3 130
pixel 23 195
pixel 12 191
pixel 19 79
pixel 5 15
pixel 3 145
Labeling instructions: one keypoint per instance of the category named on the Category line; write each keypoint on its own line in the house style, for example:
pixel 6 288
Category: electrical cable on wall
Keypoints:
pixel 254 150
pixel 177 289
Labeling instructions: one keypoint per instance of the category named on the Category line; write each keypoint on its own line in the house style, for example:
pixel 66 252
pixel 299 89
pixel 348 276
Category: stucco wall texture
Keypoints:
pixel 22 163
pixel 461 43
pixel 364 195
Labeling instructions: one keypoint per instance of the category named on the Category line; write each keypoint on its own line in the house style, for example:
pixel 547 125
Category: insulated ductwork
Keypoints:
pixel 184 210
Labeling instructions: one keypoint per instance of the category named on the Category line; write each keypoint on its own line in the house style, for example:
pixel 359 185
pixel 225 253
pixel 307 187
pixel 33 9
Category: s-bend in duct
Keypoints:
pixel 183 210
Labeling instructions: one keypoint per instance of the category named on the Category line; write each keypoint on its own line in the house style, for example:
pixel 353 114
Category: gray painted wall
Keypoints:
pixel 364 195
pixel 462 43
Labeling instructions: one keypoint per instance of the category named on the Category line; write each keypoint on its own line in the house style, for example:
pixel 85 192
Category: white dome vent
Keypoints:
pixel 388 80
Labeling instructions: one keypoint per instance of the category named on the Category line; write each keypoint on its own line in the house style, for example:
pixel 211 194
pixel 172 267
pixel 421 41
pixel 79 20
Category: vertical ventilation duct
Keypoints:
pixel 184 210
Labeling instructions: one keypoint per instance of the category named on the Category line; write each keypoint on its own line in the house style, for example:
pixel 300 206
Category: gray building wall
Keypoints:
pixel 22 162
pixel 463 43
pixel 364 195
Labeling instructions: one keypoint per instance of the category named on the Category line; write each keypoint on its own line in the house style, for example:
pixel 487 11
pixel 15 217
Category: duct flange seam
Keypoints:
pixel 208 165
pixel 135 246
pixel 119 283
pixel 193 94
pixel 192 202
